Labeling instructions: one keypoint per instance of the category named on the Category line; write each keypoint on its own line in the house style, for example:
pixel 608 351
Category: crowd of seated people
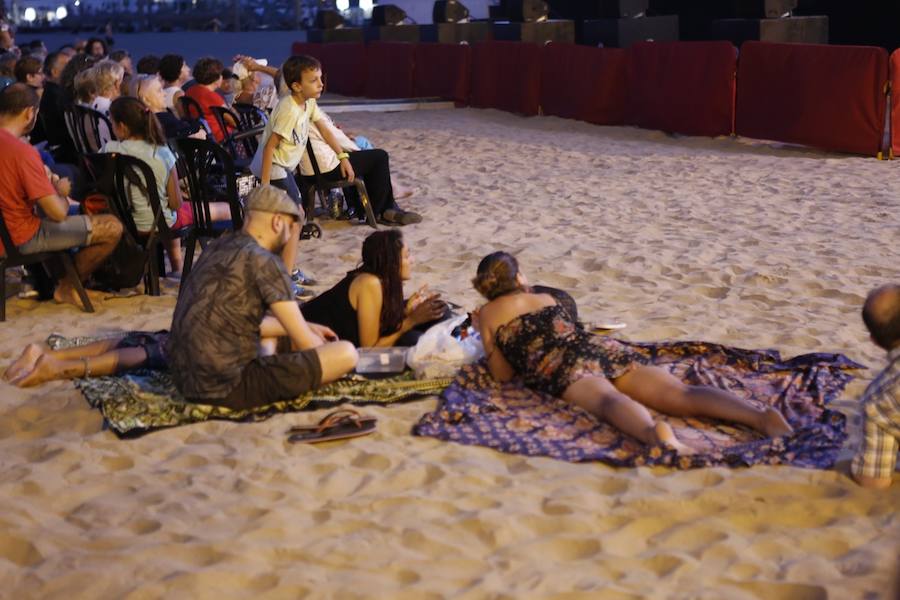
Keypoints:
pixel 91 75
pixel 242 282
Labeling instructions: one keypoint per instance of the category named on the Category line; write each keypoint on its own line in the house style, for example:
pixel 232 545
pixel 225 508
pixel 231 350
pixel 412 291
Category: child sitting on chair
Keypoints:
pixel 142 137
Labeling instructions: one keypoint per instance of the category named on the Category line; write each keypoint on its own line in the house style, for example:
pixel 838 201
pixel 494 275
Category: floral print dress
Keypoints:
pixel 550 351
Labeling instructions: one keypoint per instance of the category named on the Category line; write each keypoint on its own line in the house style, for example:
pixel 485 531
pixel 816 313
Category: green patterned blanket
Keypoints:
pixel 144 400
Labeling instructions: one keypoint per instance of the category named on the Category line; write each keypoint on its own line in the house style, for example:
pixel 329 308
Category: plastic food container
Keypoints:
pixel 382 360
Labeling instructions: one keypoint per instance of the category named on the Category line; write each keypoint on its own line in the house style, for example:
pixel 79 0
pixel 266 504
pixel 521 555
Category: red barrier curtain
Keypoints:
pixel 830 97
pixel 895 102
pixel 389 72
pixel 507 76
pixel 444 71
pixel 682 87
pixel 343 64
pixel 579 82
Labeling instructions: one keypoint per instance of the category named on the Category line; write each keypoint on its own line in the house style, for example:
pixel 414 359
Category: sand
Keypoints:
pixel 727 240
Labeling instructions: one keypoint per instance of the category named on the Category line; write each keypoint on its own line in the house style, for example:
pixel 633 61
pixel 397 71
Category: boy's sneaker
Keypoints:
pixel 301 278
pixel 302 293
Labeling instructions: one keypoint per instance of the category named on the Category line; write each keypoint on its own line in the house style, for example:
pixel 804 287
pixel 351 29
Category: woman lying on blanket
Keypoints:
pixel 529 334
pixel 366 307
pixel 133 350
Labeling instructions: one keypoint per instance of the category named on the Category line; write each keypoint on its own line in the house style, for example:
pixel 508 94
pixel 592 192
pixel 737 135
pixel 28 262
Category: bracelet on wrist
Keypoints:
pixel 343 156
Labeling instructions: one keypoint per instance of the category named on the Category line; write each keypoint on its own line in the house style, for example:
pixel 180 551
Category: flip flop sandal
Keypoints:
pixel 338 425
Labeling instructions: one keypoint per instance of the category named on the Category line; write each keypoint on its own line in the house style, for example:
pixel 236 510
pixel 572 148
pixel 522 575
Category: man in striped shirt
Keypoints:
pixel 873 465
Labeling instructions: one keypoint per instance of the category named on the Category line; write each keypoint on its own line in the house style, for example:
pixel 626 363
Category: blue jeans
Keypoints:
pixel 289 185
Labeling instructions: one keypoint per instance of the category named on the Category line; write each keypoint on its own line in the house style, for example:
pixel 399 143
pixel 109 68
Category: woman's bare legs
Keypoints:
pixel 600 398
pixel 39 364
pixel 663 392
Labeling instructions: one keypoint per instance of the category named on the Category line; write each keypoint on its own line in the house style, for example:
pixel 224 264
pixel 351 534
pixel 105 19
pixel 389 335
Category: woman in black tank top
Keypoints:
pixel 366 307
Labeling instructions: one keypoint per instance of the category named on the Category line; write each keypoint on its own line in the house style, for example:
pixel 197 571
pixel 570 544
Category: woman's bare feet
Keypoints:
pixel 25 363
pixel 45 369
pixel 666 437
pixel 773 424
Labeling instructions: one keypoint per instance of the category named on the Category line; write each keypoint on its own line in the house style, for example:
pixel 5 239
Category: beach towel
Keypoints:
pixel 144 400
pixel 476 410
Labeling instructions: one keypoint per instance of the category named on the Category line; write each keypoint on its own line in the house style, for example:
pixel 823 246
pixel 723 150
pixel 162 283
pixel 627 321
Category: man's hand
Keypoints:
pixel 347 170
pixel 63 186
pixel 323 332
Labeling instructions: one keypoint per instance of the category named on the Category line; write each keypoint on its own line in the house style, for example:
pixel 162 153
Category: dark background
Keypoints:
pixel 856 22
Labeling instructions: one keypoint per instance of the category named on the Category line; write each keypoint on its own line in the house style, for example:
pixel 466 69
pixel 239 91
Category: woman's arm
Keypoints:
pixel 366 290
pixel 173 190
pixel 497 364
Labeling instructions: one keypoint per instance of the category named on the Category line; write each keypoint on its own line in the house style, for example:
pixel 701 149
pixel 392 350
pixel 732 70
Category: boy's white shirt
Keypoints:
pixel 292 122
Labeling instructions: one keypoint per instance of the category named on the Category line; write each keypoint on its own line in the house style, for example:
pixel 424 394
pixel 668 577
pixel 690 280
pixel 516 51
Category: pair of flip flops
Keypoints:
pixel 338 425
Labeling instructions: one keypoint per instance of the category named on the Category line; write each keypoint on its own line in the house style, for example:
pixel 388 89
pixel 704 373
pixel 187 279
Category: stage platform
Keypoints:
pixel 335 103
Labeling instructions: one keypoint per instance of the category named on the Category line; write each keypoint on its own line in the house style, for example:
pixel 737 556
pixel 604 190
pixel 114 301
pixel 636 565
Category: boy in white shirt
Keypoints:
pixel 284 139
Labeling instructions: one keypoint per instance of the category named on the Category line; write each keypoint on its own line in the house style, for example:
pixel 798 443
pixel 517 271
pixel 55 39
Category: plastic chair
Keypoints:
pixel 88 128
pixel 204 162
pixel 14 258
pixel 194 112
pixel 118 174
pixel 242 140
pixel 317 185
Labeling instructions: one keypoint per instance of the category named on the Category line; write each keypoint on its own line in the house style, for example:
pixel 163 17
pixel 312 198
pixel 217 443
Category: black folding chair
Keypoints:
pixel 249 115
pixel 210 174
pixel 14 258
pixel 88 128
pixel 317 185
pixel 193 112
pixel 240 140
pixel 118 176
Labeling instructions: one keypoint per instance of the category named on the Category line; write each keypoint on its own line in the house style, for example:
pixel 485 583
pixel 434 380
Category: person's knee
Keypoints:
pixel 347 355
pixel 105 228
pixel 337 358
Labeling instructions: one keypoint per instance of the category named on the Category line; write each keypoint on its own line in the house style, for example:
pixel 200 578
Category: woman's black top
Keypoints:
pixel 333 309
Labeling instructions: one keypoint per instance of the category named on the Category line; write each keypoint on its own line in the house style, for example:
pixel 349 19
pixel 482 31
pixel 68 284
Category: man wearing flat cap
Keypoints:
pixel 223 348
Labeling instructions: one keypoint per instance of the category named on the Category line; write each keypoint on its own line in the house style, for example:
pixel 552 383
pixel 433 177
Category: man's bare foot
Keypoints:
pixel 66 294
pixel 666 437
pixel 773 424
pixel 47 368
pixel 401 192
pixel 25 363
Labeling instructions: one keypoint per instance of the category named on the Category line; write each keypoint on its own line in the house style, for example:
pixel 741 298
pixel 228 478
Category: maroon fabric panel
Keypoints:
pixel 579 82
pixel 830 97
pixel 389 72
pixel 443 70
pixel 344 65
pixel 682 87
pixel 895 101
pixel 507 76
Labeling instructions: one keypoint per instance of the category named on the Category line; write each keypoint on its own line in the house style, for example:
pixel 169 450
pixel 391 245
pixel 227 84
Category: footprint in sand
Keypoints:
pixel 117 463
pixel 144 526
pixel 373 462
pixel 19 551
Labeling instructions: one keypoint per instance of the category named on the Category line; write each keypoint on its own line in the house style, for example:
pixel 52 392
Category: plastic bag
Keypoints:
pixel 439 354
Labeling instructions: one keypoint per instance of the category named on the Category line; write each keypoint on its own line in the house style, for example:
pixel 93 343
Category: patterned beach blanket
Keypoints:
pixel 476 410
pixel 144 400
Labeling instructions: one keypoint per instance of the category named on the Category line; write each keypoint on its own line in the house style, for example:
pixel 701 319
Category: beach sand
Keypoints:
pixel 726 240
